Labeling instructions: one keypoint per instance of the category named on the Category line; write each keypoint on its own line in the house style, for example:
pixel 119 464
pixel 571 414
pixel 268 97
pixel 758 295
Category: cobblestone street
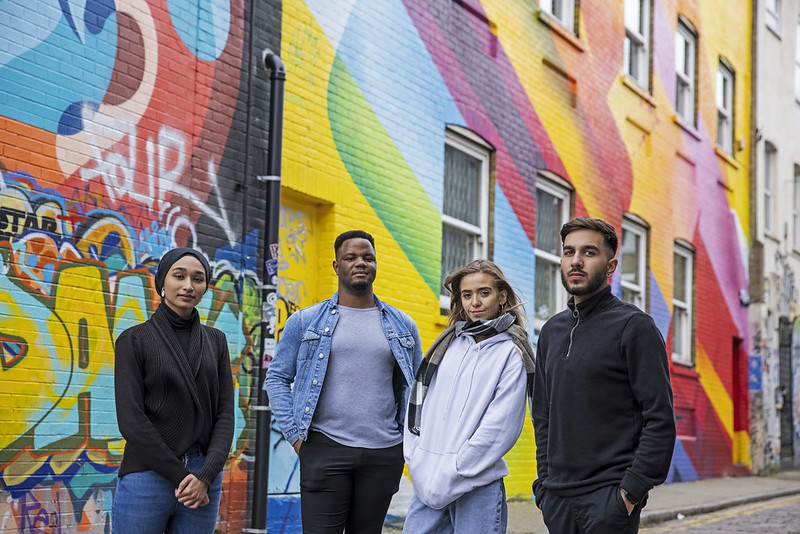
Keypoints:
pixel 776 516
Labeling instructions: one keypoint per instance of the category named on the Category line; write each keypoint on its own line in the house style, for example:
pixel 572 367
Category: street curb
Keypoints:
pixel 655 517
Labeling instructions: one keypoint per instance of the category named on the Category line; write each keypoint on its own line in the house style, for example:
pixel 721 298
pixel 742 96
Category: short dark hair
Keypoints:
pixel 597 225
pixel 351 234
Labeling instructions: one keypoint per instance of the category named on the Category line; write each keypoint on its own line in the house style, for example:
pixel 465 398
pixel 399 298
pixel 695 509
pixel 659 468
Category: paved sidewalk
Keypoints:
pixel 687 498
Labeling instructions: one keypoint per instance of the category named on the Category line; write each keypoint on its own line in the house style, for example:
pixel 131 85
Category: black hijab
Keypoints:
pixel 169 259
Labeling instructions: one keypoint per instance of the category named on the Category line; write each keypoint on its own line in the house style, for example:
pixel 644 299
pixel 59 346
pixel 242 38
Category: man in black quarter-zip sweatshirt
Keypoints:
pixel 602 403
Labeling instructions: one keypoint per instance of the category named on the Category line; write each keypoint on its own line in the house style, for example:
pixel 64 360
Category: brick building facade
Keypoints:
pixel 449 129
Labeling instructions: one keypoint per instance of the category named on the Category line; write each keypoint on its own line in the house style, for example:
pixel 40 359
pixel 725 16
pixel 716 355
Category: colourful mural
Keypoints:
pixel 378 83
pixel 122 127
pixel 68 290
pixel 113 126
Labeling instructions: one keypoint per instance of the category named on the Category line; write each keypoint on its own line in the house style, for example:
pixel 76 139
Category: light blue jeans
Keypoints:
pixel 145 503
pixel 481 511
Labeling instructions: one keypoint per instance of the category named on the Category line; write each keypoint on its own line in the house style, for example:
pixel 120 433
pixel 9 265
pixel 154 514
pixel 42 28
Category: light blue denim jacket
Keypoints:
pixel 301 359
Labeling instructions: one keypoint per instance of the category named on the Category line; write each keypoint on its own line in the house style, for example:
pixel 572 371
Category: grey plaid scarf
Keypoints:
pixel 435 355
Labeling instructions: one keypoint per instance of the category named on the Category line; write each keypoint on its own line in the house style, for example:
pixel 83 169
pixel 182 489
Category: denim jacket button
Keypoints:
pixel 321 355
pixel 308 409
pixel 333 312
pixel 408 342
pixel 314 381
pixel 327 329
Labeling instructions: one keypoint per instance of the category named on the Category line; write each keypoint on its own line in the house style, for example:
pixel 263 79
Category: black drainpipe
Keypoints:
pixel 269 280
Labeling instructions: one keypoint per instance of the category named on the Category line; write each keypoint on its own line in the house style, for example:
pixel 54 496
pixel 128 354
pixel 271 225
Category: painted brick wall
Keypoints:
pixel 544 102
pixel 123 132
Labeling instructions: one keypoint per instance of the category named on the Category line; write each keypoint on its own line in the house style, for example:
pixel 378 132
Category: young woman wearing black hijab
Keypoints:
pixel 174 400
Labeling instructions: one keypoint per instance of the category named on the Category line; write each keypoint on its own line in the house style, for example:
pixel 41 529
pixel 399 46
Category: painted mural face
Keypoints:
pixel 585 266
pixel 185 285
pixel 480 298
pixel 356 265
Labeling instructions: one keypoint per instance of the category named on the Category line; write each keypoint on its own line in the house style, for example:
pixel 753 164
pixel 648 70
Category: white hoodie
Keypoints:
pixel 472 415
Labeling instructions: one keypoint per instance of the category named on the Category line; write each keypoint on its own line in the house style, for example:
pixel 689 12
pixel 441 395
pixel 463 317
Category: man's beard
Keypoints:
pixel 593 283
pixel 361 285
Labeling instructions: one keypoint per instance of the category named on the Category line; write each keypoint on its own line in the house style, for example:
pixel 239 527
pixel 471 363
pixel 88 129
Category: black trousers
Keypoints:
pixel 601 511
pixel 346 488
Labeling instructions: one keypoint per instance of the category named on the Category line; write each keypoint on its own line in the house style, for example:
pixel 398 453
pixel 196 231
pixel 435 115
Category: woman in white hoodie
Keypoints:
pixel 473 383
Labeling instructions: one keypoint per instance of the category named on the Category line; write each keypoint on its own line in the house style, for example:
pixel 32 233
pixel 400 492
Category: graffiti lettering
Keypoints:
pixel 14 222
pixel 34 517
pixel 11 221
pixel 117 169
pixel 296 224
pixel 786 286
pixel 93 288
pixel 166 164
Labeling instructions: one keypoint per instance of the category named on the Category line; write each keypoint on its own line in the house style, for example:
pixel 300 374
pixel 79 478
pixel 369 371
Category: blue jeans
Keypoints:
pixel 481 511
pixel 145 503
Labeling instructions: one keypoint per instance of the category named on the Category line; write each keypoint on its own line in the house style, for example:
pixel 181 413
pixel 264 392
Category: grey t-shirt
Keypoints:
pixel 356 406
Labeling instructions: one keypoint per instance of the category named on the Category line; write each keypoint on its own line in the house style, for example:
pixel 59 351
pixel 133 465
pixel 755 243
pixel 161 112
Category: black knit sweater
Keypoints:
pixel 168 399
pixel 602 404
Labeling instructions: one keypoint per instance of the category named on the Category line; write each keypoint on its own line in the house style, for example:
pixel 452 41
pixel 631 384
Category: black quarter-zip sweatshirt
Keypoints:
pixel 602 403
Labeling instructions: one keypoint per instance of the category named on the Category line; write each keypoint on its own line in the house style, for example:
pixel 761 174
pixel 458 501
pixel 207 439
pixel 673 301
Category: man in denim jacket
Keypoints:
pixel 338 386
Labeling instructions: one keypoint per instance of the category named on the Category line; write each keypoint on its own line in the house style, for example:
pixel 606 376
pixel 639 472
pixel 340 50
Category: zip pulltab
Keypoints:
pixel 577 316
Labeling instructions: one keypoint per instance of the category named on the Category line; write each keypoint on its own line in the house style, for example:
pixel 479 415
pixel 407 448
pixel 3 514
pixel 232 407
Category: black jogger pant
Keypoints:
pixel 601 511
pixel 346 488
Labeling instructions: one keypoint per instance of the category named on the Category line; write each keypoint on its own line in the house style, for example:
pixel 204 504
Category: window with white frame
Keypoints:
pixel 770 168
pixel 637 41
pixel 682 299
pixel 633 262
pixel 796 209
pixel 685 53
pixel 465 213
pixel 552 212
pixel 772 14
pixel 797 63
pixel 725 79
pixel 561 10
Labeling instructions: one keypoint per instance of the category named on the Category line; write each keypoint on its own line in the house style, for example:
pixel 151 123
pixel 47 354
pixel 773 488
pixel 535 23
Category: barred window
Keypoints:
pixel 552 211
pixel 725 79
pixel 685 87
pixel 770 167
pixel 633 263
pixel 561 10
pixel 682 299
pixel 772 14
pixel 465 213
pixel 797 63
pixel 637 41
